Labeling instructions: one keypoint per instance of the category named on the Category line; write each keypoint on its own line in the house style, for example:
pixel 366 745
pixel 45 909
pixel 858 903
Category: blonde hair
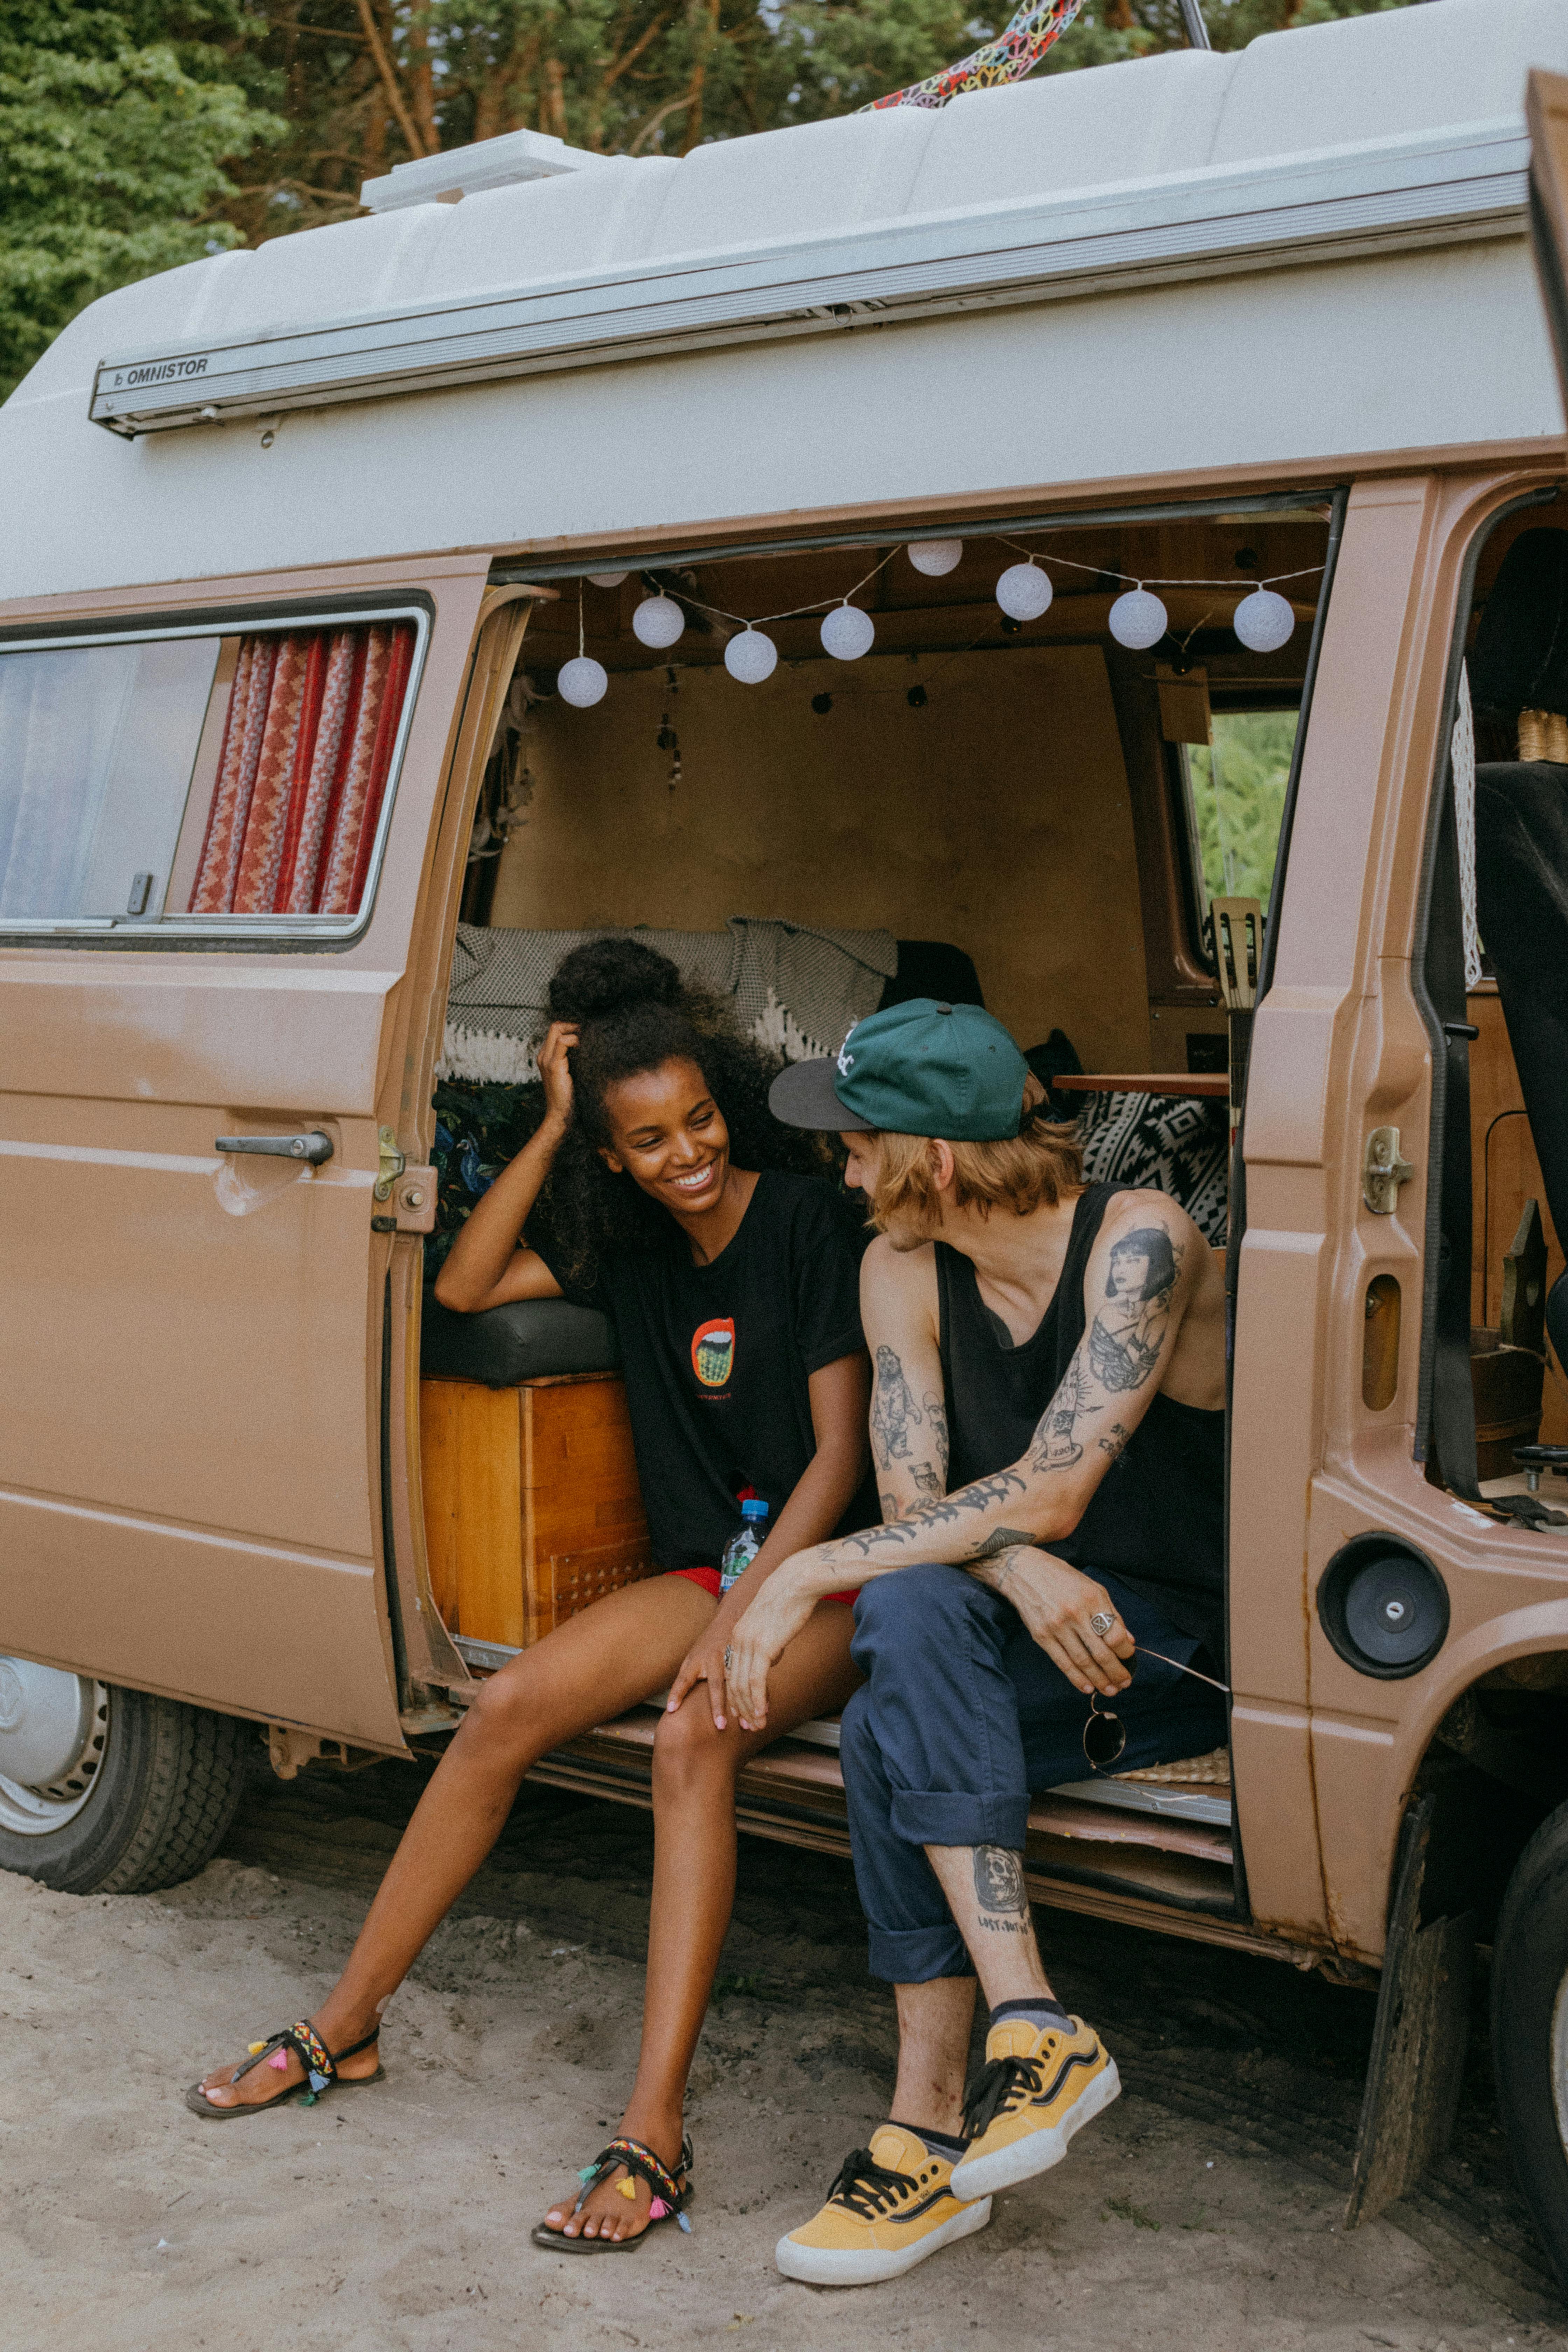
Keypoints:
pixel 1022 1172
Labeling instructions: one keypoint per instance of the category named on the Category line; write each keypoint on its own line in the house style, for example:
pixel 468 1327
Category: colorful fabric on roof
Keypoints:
pixel 1012 54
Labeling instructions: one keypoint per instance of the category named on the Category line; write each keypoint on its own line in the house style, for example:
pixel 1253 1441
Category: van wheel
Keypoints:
pixel 110 1791
pixel 1529 2030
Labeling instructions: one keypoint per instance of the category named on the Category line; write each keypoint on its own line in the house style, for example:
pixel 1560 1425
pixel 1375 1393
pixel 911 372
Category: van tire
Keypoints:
pixel 1530 2031
pixel 165 1791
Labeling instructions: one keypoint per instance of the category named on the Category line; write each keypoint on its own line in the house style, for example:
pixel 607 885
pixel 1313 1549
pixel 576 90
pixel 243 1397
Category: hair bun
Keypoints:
pixel 603 976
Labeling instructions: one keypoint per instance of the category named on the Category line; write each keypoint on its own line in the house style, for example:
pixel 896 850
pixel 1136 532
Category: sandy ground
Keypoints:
pixel 1202 2213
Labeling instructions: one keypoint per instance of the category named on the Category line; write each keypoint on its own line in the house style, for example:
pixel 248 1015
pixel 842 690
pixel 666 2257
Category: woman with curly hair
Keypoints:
pixel 674 1203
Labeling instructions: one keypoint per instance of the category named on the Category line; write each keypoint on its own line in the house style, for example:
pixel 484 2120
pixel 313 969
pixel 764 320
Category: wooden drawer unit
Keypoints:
pixel 531 1504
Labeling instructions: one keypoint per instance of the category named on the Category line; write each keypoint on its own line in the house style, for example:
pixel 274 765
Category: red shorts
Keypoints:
pixel 712 1582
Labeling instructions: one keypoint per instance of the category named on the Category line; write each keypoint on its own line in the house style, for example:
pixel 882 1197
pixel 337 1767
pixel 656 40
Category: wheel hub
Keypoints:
pixel 53 1726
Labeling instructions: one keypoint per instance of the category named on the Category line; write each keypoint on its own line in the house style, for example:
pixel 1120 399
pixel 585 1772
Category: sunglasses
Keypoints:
pixel 1105 1734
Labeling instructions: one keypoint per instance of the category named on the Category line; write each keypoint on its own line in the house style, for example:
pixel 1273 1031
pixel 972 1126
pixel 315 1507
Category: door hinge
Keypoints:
pixel 392 1164
pixel 1382 1171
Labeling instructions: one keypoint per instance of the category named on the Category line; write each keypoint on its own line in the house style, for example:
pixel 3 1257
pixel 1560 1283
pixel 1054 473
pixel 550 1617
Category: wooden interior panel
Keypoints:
pixel 1505 1174
pixel 996 817
pixel 532 1505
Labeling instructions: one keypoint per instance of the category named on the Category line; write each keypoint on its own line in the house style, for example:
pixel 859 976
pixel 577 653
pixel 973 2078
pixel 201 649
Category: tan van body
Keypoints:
pixel 210 1483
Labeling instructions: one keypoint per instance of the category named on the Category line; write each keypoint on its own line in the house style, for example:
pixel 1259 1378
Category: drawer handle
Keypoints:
pixel 313 1147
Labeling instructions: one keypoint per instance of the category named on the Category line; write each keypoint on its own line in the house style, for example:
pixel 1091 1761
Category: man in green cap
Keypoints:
pixel 1048 1428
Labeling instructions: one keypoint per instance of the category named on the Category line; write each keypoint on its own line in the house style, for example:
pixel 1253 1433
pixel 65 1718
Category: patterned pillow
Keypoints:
pixel 1177 1144
pixel 477 1129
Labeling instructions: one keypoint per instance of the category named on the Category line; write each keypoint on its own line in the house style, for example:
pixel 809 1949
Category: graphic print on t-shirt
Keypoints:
pixel 713 1351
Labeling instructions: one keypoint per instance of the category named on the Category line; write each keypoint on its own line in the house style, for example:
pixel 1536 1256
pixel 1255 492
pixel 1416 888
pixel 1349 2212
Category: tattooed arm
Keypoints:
pixel 908 1420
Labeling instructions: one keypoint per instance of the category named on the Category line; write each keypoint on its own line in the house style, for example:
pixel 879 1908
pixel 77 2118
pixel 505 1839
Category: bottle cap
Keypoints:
pixel 754 1508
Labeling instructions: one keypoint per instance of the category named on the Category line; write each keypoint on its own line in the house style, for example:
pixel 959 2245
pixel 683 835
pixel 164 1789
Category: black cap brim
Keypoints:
pixel 804 1096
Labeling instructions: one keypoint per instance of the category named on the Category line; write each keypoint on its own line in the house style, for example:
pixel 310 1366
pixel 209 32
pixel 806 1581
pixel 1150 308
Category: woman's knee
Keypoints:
pixel 503 1710
pixel 687 1748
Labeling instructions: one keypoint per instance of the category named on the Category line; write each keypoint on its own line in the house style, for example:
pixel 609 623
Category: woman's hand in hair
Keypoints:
pixel 556 1071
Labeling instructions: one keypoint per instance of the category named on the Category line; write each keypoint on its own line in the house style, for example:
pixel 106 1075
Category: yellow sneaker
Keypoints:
pixel 891 2207
pixel 1034 2091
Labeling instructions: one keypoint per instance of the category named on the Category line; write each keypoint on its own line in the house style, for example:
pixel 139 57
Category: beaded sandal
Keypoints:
pixel 670 2196
pixel 320 2072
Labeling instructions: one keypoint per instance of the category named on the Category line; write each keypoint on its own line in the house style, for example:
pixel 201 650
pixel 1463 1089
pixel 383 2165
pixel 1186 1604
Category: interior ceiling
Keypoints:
pixel 914 613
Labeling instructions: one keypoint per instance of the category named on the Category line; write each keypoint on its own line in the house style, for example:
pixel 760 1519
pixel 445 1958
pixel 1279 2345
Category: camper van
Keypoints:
pixel 1039 551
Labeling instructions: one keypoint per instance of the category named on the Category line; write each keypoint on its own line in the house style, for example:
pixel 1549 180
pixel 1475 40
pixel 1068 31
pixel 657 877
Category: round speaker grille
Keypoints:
pixel 1383 1607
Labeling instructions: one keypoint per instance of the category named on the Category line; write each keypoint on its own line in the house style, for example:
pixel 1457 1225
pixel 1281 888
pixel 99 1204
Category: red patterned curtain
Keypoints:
pixel 307 748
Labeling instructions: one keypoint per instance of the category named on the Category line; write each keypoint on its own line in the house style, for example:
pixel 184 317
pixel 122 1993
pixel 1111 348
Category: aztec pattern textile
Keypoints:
pixel 307 750
pixel 795 991
pixel 1016 51
pixel 1176 1144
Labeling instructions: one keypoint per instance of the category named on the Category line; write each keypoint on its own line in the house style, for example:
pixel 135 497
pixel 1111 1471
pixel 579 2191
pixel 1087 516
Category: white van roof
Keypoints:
pixel 1307 250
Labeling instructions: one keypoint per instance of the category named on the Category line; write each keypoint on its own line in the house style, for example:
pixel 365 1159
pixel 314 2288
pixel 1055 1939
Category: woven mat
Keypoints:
pixel 1212 1771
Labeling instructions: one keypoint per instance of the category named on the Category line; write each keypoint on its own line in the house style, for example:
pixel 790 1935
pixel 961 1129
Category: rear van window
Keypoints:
pixel 220 781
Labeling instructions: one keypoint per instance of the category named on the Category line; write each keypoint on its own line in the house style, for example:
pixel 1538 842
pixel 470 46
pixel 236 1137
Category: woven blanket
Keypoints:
pixel 1176 1144
pixel 795 991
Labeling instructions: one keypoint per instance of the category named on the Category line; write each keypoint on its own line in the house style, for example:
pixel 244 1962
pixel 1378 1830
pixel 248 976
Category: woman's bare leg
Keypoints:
pixel 626 1647
pixel 694 1772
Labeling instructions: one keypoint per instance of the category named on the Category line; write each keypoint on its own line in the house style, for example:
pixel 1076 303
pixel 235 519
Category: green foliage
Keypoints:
pixel 1238 800
pixel 112 136
pixel 137 134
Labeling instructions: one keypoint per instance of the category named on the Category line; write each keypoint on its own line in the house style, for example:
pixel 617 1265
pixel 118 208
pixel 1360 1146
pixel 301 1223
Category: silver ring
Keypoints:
pixel 729 1660
pixel 1100 1622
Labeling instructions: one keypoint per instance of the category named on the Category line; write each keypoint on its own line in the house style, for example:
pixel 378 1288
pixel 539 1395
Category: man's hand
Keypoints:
pixel 765 1632
pixel 1055 1604
pixel 703 1663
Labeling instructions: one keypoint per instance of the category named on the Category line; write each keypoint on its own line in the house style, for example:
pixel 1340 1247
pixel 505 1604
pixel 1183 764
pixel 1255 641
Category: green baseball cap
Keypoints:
pixel 919 1068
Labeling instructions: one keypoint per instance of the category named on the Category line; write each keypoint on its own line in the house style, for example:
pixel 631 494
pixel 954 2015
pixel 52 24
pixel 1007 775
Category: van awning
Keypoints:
pixel 1436 188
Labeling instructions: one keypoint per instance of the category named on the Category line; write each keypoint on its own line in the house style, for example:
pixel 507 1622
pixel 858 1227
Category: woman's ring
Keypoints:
pixel 729 1660
pixel 1100 1622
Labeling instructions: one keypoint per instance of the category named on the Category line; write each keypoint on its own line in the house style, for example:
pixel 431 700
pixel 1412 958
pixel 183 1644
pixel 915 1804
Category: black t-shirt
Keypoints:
pixel 717 1359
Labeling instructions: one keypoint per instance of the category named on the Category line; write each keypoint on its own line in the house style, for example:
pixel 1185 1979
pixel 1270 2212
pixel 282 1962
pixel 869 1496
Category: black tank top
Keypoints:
pixel 1156 1520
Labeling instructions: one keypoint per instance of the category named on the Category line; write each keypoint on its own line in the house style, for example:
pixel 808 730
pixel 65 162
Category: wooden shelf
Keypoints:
pixel 1215 1085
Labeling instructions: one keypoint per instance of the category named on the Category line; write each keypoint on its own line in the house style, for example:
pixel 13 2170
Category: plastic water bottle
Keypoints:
pixel 745 1544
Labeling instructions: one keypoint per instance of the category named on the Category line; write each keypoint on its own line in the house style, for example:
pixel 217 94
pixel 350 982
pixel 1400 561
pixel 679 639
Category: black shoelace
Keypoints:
pixel 867 2187
pixel 997 2086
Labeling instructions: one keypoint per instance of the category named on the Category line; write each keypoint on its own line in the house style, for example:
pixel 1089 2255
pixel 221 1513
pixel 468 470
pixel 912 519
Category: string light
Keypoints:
pixel 583 681
pixel 658 622
pixel 608 579
pixel 751 656
pixel 1263 622
pixel 848 632
pixel 935 556
pixel 1023 591
pixel 1139 620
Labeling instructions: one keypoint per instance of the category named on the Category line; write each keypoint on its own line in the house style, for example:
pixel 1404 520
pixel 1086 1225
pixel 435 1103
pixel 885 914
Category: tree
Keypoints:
pixel 113 127
pixel 367 83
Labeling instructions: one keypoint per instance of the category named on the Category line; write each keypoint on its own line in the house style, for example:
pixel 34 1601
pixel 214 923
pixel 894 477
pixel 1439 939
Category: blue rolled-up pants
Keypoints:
pixel 961 1716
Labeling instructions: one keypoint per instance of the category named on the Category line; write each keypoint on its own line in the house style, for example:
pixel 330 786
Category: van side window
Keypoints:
pixel 1235 787
pixel 187 780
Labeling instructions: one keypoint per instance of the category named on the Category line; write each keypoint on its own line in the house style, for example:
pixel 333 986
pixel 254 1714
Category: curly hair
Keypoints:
pixel 633 1012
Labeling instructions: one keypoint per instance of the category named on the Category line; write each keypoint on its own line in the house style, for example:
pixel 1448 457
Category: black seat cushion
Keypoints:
pixel 519 1342
pixel 932 968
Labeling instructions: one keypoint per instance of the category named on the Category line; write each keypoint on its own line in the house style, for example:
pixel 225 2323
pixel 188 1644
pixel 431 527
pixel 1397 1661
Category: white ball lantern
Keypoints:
pixel 1139 620
pixel 935 557
pixel 582 682
pixel 1023 591
pixel 608 579
pixel 1264 621
pixel 658 622
pixel 848 633
pixel 751 656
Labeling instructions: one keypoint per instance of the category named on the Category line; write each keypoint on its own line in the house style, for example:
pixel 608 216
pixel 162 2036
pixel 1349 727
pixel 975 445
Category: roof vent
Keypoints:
pixel 500 162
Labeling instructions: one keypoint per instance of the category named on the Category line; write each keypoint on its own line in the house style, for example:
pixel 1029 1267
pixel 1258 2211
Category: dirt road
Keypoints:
pixel 1201 2214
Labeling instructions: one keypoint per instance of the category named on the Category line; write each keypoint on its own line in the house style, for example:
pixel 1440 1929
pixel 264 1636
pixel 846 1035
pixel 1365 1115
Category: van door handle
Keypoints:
pixel 314 1146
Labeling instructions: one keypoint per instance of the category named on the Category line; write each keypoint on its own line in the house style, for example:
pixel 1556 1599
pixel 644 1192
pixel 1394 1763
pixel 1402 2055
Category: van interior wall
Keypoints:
pixel 996 817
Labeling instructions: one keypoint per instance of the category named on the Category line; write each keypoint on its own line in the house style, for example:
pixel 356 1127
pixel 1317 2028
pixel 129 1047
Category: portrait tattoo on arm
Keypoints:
pixel 1129 1332
pixel 999 1892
